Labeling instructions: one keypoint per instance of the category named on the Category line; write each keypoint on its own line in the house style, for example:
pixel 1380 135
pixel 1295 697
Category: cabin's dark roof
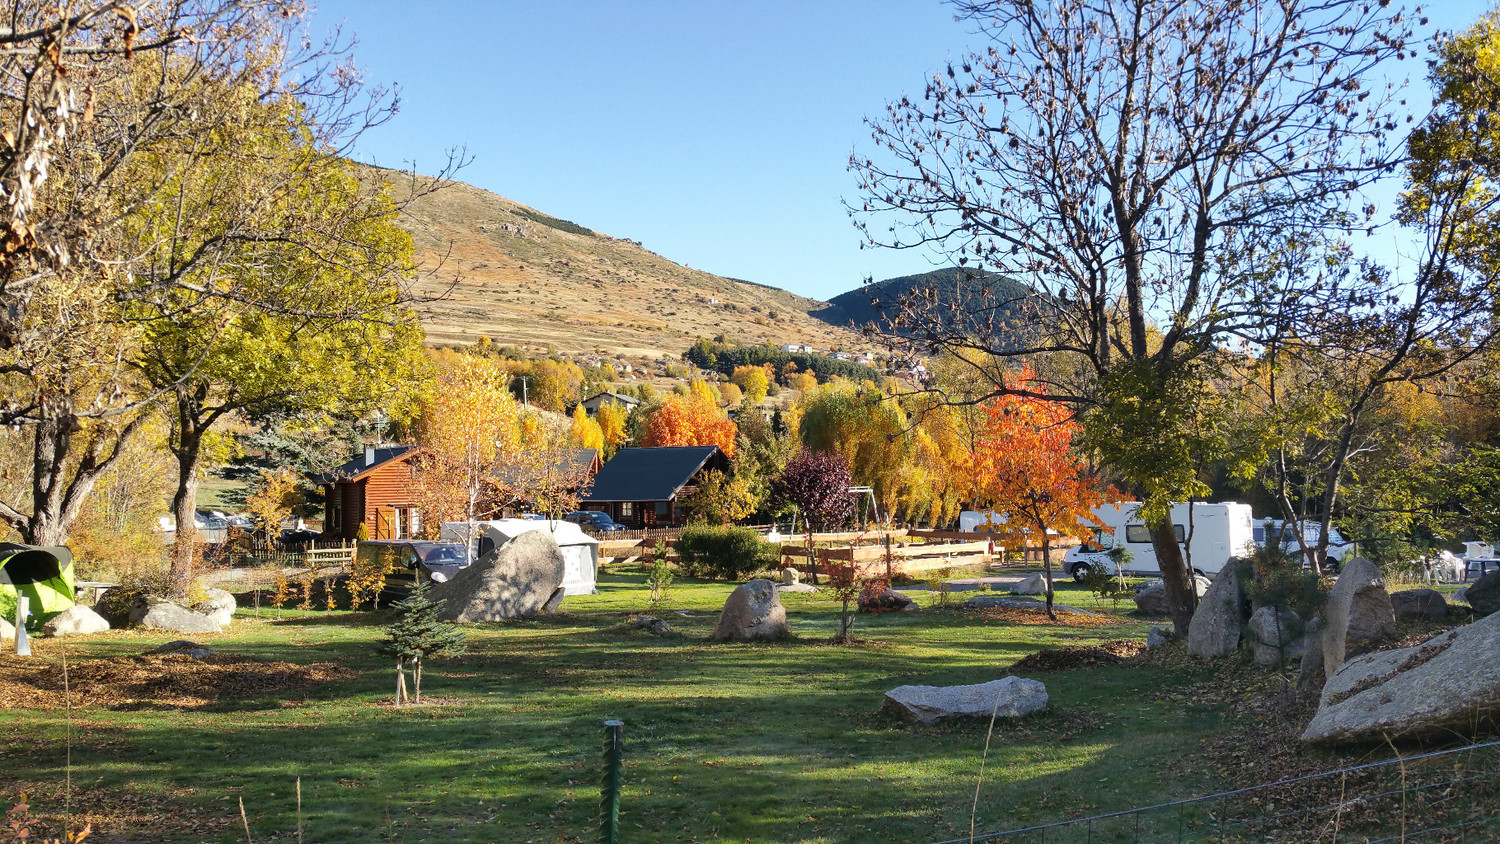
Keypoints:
pixel 575 463
pixel 649 474
pixel 357 467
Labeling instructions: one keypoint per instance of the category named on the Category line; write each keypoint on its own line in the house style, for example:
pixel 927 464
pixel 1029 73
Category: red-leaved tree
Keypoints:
pixel 817 484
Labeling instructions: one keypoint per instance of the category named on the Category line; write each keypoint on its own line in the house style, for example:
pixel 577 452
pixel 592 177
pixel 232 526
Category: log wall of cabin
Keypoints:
pixel 387 487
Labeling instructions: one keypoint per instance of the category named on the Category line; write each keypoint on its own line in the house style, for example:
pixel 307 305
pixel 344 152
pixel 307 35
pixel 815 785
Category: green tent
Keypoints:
pixel 43 575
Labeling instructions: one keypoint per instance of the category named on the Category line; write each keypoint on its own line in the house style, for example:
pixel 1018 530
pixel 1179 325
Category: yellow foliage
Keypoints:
pixel 752 380
pixel 586 432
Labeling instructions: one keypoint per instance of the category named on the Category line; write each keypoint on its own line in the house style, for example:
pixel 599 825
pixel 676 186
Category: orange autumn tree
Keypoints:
pixel 1024 467
pixel 694 419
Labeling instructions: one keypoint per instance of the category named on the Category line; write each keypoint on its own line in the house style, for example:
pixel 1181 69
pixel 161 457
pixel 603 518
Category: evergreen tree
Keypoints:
pixel 418 633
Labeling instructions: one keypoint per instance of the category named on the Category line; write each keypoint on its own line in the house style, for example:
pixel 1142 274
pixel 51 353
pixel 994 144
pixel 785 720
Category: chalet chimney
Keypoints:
pixel 369 455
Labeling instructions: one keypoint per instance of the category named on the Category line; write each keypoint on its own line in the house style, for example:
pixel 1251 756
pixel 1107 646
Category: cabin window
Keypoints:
pixel 416 521
pixel 399 527
pixel 335 511
pixel 627 510
pixel 663 509
pixel 1142 534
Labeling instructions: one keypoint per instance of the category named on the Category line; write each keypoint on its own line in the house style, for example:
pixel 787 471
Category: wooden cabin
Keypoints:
pixel 374 490
pixel 644 487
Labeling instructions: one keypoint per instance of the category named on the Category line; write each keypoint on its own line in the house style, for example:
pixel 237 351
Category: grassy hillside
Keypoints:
pixel 528 279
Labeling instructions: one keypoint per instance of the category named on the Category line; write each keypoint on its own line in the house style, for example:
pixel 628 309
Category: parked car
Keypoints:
pixel 437 562
pixel 1339 550
pixel 594 520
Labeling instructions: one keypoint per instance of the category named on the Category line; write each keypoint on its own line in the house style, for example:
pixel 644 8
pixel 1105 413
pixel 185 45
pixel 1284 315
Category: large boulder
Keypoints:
pixel 1419 603
pixel 1484 594
pixel 76 620
pixel 790 576
pixel 1220 618
pixel 1310 675
pixel 154 613
pixel 1275 636
pixel 219 606
pixel 1151 599
pixel 515 580
pixel 1010 697
pixel 1034 584
pixel 1359 614
pixel 7 634
pixel 752 612
pixel 1440 688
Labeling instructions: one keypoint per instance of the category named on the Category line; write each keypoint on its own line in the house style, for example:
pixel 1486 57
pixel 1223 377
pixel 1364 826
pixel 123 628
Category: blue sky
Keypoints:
pixel 716 133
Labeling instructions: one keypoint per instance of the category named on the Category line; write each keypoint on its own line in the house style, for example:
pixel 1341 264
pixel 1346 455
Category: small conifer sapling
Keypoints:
pixel 418 633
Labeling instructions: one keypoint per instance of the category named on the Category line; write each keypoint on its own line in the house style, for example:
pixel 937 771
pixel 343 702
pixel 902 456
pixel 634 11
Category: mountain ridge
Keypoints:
pixel 490 266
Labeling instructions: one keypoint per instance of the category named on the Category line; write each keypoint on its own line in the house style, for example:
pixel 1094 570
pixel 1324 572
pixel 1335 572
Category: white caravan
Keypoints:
pixel 980 521
pixel 580 551
pixel 1219 532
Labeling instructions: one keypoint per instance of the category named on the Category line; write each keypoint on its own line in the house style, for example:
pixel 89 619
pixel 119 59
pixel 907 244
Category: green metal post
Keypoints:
pixel 609 788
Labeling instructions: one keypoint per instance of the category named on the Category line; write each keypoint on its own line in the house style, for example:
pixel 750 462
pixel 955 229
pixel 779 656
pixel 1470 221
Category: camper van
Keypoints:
pixel 1218 532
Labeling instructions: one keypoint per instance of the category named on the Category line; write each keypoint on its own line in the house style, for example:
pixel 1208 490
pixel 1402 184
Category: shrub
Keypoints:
pixel 727 553
pixel 1272 576
pixel 659 578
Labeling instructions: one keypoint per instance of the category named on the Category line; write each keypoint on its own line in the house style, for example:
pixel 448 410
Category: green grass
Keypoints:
pixel 766 743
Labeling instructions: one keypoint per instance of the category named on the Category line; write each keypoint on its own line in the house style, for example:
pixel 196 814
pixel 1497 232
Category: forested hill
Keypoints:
pixel 950 285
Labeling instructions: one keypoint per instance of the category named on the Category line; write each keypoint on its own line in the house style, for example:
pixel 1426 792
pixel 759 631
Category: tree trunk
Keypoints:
pixel 56 498
pixel 1174 572
pixel 1047 569
pixel 416 680
pixel 400 680
pixel 187 449
pixel 185 543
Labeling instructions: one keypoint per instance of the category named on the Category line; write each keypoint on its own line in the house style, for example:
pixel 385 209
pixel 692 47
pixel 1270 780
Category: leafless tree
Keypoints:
pixel 1141 164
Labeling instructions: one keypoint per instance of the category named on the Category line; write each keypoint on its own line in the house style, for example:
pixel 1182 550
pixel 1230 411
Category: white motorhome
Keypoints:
pixel 1218 533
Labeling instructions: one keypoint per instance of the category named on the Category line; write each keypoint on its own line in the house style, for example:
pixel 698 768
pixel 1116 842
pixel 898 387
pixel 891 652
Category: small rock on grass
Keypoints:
pixel 185 648
pixel 1156 637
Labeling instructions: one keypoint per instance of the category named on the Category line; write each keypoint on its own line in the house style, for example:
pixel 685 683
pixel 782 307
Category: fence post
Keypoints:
pixel 23 609
pixel 609 790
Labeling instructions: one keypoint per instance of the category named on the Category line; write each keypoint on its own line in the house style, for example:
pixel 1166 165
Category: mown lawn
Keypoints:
pixel 765 743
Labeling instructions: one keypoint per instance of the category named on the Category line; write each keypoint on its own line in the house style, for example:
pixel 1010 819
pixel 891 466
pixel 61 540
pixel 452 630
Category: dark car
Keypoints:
pixel 595 521
pixel 434 561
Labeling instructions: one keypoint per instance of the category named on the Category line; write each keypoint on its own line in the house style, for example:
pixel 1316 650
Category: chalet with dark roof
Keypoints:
pixel 644 487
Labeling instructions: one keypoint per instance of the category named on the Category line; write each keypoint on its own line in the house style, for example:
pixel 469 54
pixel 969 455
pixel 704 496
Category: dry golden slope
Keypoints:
pixel 524 281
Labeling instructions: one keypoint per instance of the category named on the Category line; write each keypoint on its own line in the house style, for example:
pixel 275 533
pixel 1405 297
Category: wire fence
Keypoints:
pixel 1435 798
